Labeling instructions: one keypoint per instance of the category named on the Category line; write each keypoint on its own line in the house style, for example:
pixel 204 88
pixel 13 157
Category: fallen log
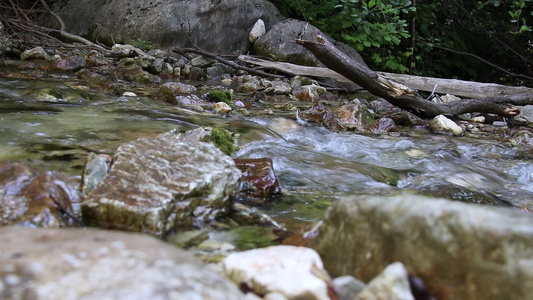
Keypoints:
pixel 405 97
pixel 469 89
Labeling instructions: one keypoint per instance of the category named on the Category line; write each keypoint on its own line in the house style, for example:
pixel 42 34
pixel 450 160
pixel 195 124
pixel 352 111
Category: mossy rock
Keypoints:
pixel 223 139
pixel 221 96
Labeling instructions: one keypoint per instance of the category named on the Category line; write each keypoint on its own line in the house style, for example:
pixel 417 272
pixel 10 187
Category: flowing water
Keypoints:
pixel 314 166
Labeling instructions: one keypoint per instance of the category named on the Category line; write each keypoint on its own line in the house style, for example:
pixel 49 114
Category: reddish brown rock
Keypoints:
pixel 34 198
pixel 260 173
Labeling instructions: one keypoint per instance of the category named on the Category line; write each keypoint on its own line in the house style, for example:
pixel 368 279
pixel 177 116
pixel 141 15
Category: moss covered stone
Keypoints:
pixel 223 139
pixel 221 96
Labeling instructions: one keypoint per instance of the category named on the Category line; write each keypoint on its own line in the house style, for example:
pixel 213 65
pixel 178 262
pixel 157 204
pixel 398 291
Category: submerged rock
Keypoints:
pixel 289 270
pixel 92 264
pixel 34 198
pixel 460 251
pixel 158 184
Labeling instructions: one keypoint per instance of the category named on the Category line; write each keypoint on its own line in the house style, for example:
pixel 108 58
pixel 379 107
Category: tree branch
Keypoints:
pixel 403 96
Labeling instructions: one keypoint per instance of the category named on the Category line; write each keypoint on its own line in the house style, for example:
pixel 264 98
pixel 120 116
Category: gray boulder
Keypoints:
pixel 279 43
pixel 158 184
pixel 220 26
pixel 459 250
pixel 91 264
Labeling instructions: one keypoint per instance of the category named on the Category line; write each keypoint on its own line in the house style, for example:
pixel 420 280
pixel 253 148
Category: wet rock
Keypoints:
pixel 348 287
pixel 275 268
pixel 441 124
pixel 35 53
pixel 170 90
pixel 321 114
pixel 245 215
pixel 257 31
pixel 34 198
pixel 282 125
pixel 222 108
pixel 309 92
pixel 260 173
pixel 49 95
pixel 277 88
pixel 158 184
pixel 279 43
pixel 392 283
pixel 384 125
pixel 190 100
pixel 95 170
pixel 92 264
pixel 459 250
pixel 401 117
pixel 354 115
pixel 70 63
pixel 187 239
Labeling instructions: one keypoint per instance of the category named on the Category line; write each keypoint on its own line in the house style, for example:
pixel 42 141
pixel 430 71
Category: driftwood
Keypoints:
pixel 405 97
pixel 469 89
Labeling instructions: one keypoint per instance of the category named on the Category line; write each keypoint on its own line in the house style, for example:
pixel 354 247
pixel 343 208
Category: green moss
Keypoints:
pixel 221 96
pixel 223 139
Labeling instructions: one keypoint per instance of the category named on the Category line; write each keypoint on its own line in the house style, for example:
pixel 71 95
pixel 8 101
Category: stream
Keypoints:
pixel 314 166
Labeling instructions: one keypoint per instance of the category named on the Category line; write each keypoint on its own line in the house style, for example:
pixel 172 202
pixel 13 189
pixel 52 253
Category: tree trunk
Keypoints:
pixel 403 96
pixel 468 89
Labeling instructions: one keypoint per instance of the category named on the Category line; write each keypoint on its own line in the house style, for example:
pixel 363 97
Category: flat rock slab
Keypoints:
pixel 92 264
pixel 459 250
pixel 157 184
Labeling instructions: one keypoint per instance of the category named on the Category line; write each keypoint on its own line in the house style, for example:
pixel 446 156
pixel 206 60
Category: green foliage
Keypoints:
pixel 143 45
pixel 221 96
pixel 516 10
pixel 223 139
pixel 450 35
pixel 375 28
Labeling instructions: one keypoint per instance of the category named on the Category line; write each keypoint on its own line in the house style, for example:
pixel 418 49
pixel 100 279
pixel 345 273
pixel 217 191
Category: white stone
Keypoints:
pixel 441 124
pixel 129 94
pixel 288 270
pixel 392 283
pixel 221 107
pixel 257 31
